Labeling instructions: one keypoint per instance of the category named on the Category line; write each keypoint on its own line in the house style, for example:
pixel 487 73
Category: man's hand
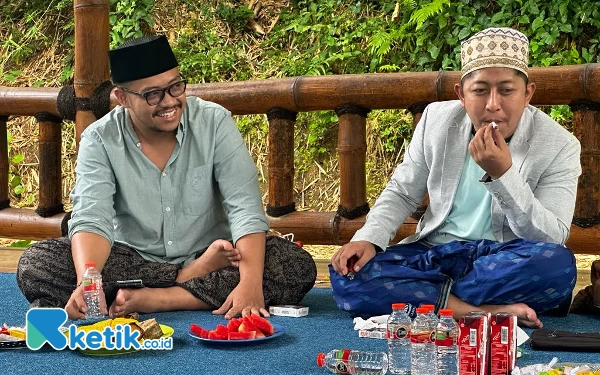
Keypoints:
pixel 245 299
pixel 76 307
pixel 490 151
pixel 364 250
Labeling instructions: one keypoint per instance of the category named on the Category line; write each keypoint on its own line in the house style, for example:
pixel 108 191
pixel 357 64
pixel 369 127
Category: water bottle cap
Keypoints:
pixel 90 264
pixel 321 359
pixel 429 307
pixel 398 306
pixel 422 310
pixel 446 312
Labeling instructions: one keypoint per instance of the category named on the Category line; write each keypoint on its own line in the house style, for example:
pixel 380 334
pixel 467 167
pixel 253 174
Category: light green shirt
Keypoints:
pixel 207 190
pixel 470 217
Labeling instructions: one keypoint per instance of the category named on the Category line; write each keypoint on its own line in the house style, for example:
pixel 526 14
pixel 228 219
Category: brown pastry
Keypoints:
pixel 150 329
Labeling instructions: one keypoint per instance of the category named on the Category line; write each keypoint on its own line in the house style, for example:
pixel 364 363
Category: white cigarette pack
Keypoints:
pixel 295 311
pixel 372 333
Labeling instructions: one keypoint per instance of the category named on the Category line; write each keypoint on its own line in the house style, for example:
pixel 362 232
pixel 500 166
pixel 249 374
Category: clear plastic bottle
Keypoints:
pixel 422 360
pixel 345 361
pixel 446 343
pixel 93 294
pixel 398 336
pixel 434 318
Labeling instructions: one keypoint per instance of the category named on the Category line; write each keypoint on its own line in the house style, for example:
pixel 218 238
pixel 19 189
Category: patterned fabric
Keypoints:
pixel 495 47
pixel 46 274
pixel 479 272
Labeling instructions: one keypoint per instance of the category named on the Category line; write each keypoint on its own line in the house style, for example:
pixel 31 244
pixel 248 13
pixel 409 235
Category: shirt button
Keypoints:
pixel 138 144
pixel 168 209
pixel 170 243
pixel 164 174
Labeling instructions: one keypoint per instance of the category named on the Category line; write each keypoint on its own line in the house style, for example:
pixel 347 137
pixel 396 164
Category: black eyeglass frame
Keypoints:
pixel 162 91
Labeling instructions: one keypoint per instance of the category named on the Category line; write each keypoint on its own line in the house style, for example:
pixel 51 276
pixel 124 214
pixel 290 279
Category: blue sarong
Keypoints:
pixel 539 274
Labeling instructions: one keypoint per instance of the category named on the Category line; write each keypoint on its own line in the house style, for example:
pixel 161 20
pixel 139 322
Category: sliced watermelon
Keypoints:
pixel 262 324
pixel 247 325
pixel 222 330
pixel 199 331
pixel 234 324
pixel 214 335
pixel 241 335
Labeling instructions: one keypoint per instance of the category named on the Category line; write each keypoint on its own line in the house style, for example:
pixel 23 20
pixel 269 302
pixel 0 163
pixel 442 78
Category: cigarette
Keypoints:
pixel 494 125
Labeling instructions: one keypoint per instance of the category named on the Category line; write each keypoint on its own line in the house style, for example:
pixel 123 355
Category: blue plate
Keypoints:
pixel 279 330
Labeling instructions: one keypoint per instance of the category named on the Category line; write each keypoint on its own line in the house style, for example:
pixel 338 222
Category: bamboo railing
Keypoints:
pixel 352 97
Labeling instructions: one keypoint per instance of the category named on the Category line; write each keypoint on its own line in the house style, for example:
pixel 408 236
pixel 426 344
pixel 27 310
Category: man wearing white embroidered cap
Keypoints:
pixel 502 179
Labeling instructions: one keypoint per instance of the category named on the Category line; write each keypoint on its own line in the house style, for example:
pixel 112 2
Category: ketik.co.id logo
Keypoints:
pixel 44 325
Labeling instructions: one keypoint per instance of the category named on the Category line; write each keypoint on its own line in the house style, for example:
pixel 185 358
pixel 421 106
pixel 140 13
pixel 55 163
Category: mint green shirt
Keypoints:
pixel 470 217
pixel 207 190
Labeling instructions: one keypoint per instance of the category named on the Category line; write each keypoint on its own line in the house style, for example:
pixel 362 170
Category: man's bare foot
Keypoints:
pixel 526 316
pixel 149 300
pixel 130 300
pixel 220 254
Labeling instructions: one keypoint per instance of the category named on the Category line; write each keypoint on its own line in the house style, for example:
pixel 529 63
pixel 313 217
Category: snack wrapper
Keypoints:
pixel 374 322
pixel 534 369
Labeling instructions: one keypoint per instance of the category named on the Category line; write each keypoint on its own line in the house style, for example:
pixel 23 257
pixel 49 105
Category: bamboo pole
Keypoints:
pixel 22 223
pixel 281 162
pixel 308 227
pixel 554 85
pixel 352 155
pixel 91 56
pixel 586 125
pixel 50 165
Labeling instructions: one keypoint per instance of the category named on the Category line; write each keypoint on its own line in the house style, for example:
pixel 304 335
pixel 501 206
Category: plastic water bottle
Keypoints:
pixel 345 361
pixel 422 359
pixel 92 291
pixel 432 317
pixel 446 343
pixel 398 336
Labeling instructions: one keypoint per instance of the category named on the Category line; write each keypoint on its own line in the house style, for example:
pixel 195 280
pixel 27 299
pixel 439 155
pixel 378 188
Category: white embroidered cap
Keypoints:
pixel 495 47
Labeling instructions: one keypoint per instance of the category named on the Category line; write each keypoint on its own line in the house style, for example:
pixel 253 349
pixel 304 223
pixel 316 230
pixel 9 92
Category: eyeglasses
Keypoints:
pixel 154 97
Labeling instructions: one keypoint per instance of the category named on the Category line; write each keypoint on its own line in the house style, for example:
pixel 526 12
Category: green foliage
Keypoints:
pixel 129 19
pixel 208 54
pixel 21 243
pixel 14 179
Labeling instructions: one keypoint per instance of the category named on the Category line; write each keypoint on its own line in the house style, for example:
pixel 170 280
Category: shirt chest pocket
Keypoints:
pixel 197 194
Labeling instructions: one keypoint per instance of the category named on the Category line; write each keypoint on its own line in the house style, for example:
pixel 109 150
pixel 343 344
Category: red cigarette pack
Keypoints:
pixel 473 343
pixel 503 343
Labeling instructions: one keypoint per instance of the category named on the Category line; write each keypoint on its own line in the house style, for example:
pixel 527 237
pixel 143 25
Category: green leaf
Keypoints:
pixel 17 158
pixel 565 28
pixel 574 53
pixel 537 23
pixel 524 19
pixel 20 243
pixel 19 189
pixel 464 33
pixel 14 180
pixel 497 17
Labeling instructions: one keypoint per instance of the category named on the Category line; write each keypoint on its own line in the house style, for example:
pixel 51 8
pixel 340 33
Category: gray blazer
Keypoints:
pixel 534 200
